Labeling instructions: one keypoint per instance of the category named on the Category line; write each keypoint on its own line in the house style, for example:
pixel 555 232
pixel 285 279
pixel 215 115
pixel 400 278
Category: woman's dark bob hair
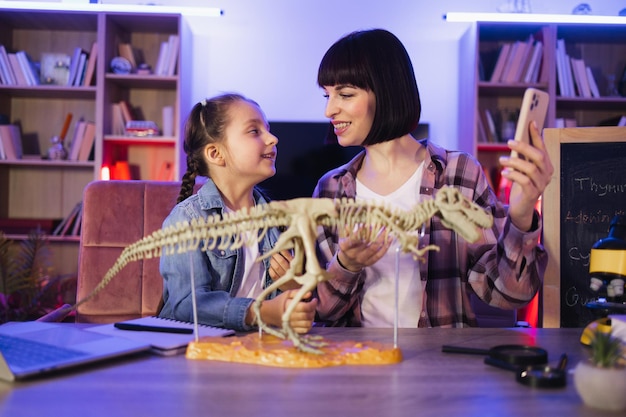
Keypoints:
pixel 375 60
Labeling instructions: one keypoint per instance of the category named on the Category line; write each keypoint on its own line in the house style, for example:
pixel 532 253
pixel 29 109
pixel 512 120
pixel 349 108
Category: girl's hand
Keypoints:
pixel 302 317
pixel 279 265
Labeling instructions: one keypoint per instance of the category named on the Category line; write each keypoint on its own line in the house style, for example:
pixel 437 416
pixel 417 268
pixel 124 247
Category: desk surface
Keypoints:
pixel 427 383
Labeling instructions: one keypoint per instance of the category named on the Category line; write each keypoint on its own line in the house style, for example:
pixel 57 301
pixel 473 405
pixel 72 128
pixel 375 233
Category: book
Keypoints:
pixel 480 129
pixel 87 141
pixel 159 68
pixel 521 62
pixel 126 112
pixel 91 65
pixel 580 71
pixel 548 37
pixel 569 76
pixel 125 50
pixel 74 65
pixel 492 133
pixel 77 222
pixel 593 86
pixel 17 70
pixel 8 78
pixel 79 132
pixel 162 342
pixel 80 71
pixel 513 60
pixel 11 141
pixel 561 68
pixel 576 77
pixel 500 62
pixel 28 68
pixel 172 54
pixel 532 70
pixel 117 118
pixel 67 222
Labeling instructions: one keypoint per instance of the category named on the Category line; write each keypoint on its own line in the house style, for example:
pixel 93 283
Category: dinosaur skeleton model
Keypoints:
pixel 301 217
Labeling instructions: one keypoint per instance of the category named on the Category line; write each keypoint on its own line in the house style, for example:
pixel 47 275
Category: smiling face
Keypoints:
pixel 249 147
pixel 351 110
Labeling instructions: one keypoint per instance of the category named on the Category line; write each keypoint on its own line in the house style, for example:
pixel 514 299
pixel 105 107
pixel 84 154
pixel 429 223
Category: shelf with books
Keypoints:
pixel 54 187
pixel 601 48
pixel 142 95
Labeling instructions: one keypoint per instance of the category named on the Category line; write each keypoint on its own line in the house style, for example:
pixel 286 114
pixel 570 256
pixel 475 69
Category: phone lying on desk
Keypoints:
pixel 534 108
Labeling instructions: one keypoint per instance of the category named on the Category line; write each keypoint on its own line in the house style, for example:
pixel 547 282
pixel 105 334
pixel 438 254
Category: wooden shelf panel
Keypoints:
pixel 49 91
pixel 49 20
pixel 47 163
pixel 143 81
pixel 135 140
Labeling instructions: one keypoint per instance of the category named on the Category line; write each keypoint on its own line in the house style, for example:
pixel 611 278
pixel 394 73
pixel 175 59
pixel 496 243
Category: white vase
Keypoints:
pixel 601 388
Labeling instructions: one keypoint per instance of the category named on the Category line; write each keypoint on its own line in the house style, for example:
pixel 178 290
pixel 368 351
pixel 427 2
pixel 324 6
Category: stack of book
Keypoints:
pixel 82 66
pixel 574 77
pixel 71 224
pixel 168 57
pixel 82 141
pixel 518 62
pixel 17 68
pixel 122 113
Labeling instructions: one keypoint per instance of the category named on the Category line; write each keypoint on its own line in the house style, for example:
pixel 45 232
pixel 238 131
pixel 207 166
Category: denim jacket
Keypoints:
pixel 218 273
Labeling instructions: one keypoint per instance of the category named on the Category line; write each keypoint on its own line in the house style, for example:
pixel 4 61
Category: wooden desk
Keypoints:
pixel 427 383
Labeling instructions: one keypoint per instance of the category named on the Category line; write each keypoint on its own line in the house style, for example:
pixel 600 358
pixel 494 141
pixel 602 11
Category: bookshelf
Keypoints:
pixel 146 95
pixel 602 47
pixel 39 188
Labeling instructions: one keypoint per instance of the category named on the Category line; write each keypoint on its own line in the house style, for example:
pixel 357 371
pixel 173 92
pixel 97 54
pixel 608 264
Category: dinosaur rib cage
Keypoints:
pixel 230 230
pixel 367 219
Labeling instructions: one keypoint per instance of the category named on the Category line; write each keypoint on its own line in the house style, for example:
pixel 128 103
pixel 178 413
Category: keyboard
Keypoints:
pixel 24 353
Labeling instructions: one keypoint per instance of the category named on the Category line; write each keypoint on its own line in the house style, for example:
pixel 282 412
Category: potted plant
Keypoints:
pixel 28 287
pixel 601 380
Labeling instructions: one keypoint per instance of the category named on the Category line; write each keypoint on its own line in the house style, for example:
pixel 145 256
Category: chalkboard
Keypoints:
pixel 587 191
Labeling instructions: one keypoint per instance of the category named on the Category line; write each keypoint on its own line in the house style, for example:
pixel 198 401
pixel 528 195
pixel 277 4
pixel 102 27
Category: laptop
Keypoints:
pixel 33 348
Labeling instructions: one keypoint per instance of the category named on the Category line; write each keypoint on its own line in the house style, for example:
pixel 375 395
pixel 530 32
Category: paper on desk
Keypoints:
pixel 165 344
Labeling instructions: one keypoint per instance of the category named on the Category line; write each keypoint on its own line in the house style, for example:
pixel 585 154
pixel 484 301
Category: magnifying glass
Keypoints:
pixel 520 355
pixel 536 376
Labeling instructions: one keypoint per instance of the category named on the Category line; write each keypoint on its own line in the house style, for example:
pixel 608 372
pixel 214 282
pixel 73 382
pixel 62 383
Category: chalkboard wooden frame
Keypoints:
pixel 551 208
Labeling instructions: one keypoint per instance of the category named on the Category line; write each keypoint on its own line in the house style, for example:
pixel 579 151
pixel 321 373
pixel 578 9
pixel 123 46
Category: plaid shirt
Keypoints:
pixel 504 268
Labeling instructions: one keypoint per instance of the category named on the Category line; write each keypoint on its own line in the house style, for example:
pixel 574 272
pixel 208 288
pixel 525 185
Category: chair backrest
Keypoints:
pixel 116 214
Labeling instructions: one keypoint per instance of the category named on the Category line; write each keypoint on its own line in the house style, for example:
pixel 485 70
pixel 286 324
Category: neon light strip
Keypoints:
pixel 96 7
pixel 534 18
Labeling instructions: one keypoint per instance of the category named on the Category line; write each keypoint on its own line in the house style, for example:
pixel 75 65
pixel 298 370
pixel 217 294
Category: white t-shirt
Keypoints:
pixel 252 283
pixel 378 298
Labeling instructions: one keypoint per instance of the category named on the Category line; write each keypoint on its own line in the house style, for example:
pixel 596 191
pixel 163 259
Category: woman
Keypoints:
pixel 373 101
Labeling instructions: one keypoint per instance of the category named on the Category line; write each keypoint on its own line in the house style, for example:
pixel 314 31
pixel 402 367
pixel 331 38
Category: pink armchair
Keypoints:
pixel 116 214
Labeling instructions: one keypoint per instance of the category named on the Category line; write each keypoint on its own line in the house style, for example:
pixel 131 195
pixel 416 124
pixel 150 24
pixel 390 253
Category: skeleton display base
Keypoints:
pixel 269 350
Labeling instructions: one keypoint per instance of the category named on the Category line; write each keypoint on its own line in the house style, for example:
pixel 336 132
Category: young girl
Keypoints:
pixel 373 101
pixel 227 140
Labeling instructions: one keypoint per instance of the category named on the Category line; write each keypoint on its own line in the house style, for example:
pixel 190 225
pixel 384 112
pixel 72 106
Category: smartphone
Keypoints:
pixel 534 107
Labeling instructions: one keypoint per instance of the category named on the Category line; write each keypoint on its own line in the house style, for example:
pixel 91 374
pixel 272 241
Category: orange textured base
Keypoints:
pixel 272 351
